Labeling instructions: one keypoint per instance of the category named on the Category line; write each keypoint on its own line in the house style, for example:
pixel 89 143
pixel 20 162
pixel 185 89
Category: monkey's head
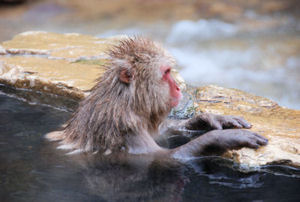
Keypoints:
pixel 144 71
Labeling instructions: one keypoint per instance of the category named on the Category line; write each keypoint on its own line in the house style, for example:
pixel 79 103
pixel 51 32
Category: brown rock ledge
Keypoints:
pixel 280 125
pixel 62 64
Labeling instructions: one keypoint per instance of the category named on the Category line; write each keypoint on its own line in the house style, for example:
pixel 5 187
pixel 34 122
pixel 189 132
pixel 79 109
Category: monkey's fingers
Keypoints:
pixel 242 122
pixel 252 145
pixel 261 140
pixel 255 141
pixel 231 123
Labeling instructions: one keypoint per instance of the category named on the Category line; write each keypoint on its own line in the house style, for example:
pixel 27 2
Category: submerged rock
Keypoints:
pixel 68 64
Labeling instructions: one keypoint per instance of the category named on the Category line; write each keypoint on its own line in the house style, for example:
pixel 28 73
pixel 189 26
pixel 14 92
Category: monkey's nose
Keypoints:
pixel 176 87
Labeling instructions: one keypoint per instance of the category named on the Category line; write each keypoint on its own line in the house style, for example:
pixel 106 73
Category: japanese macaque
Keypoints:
pixel 126 109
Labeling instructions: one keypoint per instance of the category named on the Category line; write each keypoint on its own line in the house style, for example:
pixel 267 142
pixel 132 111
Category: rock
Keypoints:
pixel 280 125
pixel 62 64
pixel 68 64
pixel 71 47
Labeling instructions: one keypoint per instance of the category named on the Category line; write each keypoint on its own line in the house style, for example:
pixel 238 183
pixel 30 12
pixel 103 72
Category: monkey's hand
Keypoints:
pixel 219 141
pixel 223 140
pixel 208 121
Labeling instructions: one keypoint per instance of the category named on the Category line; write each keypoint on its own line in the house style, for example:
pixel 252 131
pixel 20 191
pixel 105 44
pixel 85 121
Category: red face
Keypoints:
pixel 175 92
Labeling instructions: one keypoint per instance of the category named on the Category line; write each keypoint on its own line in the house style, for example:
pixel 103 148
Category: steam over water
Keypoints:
pixel 262 58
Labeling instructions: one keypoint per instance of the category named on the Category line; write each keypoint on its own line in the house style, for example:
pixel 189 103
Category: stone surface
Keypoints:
pixel 63 64
pixel 280 125
pixel 68 64
pixel 71 46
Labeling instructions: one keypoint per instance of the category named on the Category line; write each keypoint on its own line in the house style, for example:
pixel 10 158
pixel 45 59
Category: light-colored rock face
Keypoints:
pixel 53 76
pixel 64 64
pixel 280 125
pixel 68 64
pixel 58 46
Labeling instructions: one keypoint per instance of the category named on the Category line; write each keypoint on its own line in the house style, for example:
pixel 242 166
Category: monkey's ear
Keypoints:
pixel 126 76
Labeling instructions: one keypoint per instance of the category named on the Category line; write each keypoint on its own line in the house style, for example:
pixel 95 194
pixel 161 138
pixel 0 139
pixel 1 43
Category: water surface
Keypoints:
pixel 31 169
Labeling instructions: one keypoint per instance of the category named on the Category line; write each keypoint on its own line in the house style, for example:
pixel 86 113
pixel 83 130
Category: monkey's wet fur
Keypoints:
pixel 128 108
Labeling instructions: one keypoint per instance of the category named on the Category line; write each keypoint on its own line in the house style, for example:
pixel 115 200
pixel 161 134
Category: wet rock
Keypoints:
pixel 71 46
pixel 68 64
pixel 280 125
pixel 53 76
pixel 62 64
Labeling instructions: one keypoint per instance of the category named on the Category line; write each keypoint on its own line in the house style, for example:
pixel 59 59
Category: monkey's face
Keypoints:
pixel 174 90
pixel 144 71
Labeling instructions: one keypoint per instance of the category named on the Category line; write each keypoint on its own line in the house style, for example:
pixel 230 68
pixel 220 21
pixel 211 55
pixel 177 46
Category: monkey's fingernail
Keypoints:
pixel 248 125
pixel 263 142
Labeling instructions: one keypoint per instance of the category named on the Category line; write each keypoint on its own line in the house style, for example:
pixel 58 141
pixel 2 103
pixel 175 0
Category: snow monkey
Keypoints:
pixel 129 103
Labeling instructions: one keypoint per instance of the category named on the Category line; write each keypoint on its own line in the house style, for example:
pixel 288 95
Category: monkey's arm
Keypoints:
pixel 175 130
pixel 207 121
pixel 201 123
pixel 218 142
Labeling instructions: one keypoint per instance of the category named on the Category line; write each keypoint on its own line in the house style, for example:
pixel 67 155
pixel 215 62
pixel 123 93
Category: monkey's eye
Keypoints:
pixel 167 71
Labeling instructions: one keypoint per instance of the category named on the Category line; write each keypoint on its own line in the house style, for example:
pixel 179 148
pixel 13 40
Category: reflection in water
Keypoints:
pixel 134 179
pixel 32 169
